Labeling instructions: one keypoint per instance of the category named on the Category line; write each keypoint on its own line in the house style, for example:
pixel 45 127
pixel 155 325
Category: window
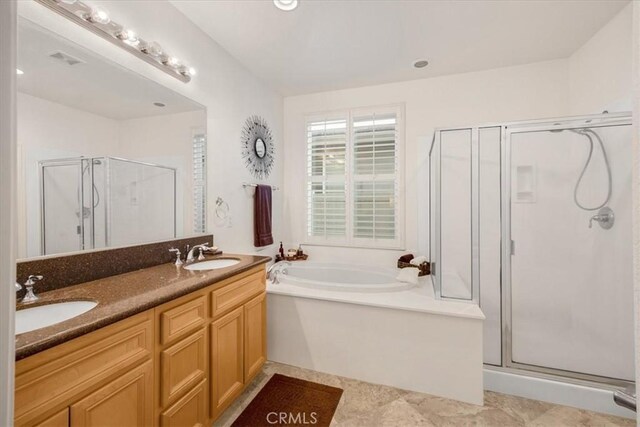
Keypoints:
pixel 199 183
pixel 353 178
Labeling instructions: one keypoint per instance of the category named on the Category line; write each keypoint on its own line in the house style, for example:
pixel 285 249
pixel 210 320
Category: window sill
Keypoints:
pixel 347 246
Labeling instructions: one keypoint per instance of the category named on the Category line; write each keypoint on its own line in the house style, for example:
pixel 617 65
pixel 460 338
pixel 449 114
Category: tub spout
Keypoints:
pixel 275 269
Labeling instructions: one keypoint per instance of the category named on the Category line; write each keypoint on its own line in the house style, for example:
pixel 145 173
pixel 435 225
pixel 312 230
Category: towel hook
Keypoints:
pixel 222 208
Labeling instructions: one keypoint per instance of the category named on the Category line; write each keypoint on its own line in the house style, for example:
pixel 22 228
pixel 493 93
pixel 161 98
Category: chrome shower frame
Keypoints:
pixel 507 130
pixel 106 197
pixel 507 247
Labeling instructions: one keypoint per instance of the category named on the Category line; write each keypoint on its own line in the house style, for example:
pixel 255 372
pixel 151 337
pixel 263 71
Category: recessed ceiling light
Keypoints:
pixel 286 5
pixel 421 63
pixel 19 72
pixel 159 104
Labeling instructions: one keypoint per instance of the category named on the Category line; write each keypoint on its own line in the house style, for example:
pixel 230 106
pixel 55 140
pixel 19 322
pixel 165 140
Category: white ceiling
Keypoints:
pixel 97 86
pixel 332 44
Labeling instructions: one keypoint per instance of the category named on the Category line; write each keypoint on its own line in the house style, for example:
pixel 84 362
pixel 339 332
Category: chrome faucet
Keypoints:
pixel 30 296
pixel 275 269
pixel 190 255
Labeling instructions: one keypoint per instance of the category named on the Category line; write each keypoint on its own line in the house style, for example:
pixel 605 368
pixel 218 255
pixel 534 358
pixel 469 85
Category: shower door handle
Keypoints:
pixel 626 399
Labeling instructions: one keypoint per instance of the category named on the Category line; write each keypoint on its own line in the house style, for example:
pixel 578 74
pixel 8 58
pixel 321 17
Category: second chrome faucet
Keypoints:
pixel 190 257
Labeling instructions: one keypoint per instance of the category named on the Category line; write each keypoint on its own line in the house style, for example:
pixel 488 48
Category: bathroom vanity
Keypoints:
pixel 164 346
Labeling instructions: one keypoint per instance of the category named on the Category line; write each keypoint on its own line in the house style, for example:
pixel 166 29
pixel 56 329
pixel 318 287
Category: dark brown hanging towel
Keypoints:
pixel 262 216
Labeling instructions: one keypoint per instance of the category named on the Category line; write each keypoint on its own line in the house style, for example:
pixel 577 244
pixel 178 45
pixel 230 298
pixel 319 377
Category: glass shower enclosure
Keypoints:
pixel 532 221
pixel 91 203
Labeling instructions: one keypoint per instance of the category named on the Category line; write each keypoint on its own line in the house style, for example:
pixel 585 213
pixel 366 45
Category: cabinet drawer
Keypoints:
pixel 182 366
pixel 234 294
pixel 56 376
pixel 190 411
pixel 182 320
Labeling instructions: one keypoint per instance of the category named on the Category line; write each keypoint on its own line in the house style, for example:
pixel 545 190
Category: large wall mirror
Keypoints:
pixel 106 157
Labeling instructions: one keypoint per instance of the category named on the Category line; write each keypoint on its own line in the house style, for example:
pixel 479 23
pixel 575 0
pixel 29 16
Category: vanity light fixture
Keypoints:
pixel 286 5
pixel 98 21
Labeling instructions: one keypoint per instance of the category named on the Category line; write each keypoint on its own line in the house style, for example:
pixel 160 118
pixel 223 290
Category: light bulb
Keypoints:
pixel 98 16
pixel 286 5
pixel 19 72
pixel 129 37
pixel 187 71
pixel 172 62
pixel 154 49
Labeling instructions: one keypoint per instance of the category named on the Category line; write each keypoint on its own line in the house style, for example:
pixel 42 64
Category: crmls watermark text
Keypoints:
pixel 292 418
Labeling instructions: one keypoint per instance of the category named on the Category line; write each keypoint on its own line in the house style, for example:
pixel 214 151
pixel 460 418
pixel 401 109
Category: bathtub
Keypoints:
pixel 339 277
pixel 359 322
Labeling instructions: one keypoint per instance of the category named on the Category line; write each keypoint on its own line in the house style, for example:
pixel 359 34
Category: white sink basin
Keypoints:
pixel 30 319
pixel 213 264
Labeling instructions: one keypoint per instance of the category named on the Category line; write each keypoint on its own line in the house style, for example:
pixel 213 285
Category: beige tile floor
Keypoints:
pixel 371 405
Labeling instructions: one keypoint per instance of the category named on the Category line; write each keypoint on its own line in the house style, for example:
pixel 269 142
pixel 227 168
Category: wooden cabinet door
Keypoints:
pixel 227 371
pixel 255 336
pixel 126 401
pixel 182 366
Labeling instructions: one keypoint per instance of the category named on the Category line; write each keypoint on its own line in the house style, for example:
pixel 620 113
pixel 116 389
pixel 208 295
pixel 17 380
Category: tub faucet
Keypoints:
pixel 191 254
pixel 275 269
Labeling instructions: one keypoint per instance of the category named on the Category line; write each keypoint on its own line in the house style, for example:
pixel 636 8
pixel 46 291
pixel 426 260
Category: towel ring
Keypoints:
pixel 222 208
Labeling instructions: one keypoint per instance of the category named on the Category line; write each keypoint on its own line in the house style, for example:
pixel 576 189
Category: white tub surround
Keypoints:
pixel 404 339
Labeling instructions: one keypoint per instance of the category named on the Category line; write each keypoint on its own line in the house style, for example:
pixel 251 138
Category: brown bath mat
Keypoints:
pixel 286 401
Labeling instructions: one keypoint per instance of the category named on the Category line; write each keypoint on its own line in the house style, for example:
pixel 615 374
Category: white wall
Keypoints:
pixel 601 71
pixel 228 91
pixel 505 94
pixel 7 207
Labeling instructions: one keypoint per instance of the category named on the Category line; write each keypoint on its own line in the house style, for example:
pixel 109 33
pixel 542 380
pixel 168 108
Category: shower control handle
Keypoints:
pixel 605 217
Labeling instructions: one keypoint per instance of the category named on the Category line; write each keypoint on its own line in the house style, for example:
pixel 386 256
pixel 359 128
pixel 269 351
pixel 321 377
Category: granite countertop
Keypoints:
pixel 122 296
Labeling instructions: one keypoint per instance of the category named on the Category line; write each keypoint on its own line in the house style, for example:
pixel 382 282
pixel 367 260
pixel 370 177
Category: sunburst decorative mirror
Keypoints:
pixel 257 147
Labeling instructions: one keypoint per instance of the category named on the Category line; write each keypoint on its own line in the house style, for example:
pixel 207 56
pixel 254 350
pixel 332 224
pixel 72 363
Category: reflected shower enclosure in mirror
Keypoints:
pixel 106 157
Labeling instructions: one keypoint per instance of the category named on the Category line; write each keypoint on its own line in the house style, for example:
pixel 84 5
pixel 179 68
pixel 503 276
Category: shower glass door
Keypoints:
pixel 567 276
pixel 61 200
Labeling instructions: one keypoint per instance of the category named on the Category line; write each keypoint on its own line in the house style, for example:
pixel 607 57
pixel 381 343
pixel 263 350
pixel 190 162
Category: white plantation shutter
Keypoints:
pixel 326 182
pixel 199 183
pixel 354 179
pixel 374 176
